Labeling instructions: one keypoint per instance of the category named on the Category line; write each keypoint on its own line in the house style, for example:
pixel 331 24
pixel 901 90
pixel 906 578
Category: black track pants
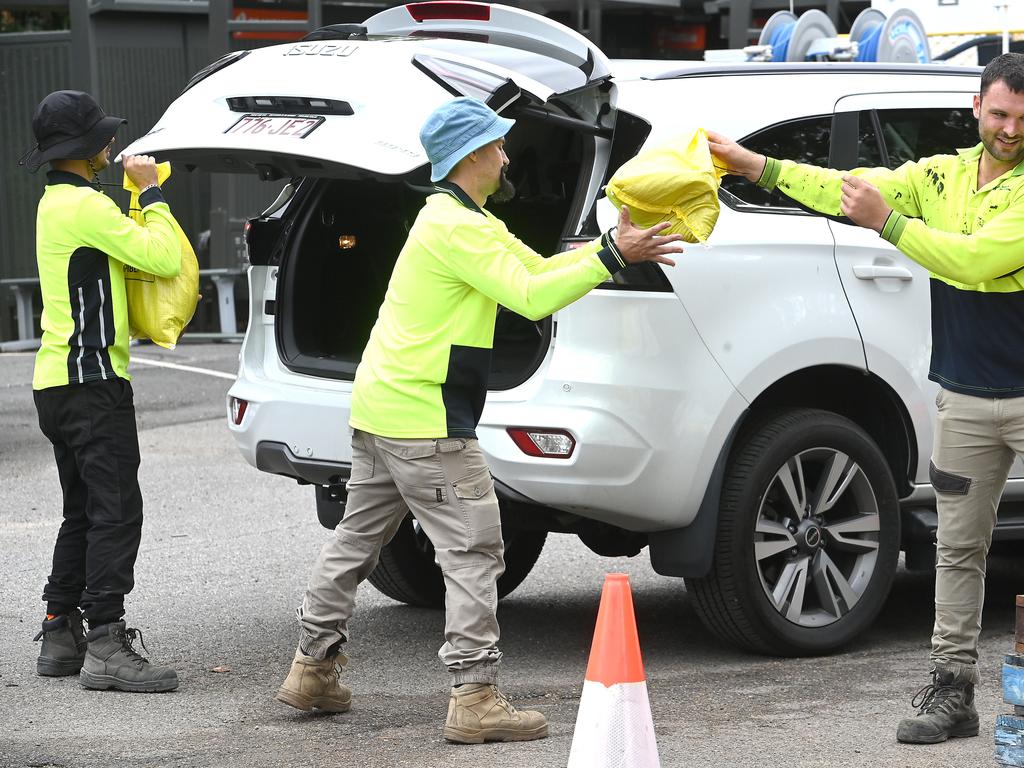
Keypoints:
pixel 96 445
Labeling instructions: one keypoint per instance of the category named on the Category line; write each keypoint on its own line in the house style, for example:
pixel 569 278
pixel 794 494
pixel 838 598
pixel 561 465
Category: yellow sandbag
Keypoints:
pixel 159 308
pixel 676 182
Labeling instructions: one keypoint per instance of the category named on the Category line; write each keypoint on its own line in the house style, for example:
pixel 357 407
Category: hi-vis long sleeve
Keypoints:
pixel 970 240
pixel 82 241
pixel 424 371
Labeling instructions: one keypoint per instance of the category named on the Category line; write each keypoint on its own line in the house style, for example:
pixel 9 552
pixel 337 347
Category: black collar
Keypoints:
pixel 66 177
pixel 458 193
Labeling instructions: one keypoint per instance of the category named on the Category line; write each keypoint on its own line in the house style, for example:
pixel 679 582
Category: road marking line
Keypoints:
pixel 189 368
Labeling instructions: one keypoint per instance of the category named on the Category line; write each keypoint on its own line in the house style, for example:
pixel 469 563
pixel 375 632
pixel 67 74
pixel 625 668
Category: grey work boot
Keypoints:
pixel 945 711
pixel 314 683
pixel 112 662
pixel 63 648
pixel 479 712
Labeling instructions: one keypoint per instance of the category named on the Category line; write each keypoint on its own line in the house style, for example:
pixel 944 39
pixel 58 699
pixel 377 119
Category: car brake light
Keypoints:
pixel 449 10
pixel 238 407
pixel 543 442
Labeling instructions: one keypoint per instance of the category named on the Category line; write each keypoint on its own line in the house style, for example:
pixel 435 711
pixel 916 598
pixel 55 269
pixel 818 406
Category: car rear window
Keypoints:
pixel 803 141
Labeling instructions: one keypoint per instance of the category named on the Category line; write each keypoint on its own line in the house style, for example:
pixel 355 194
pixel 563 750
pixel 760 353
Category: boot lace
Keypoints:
pixel 127 645
pixel 502 701
pixel 937 698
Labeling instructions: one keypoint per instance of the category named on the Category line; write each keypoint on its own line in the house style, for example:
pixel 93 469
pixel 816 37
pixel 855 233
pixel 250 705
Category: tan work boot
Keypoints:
pixel 311 683
pixel 478 712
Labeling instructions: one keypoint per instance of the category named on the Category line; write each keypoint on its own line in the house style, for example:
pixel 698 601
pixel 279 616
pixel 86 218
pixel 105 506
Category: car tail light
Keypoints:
pixel 543 442
pixel 449 10
pixel 238 407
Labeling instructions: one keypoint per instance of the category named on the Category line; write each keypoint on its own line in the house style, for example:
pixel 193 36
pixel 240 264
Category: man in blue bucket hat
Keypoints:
pixel 416 401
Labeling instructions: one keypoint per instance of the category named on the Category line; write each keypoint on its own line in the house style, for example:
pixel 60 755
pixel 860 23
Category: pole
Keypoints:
pixel 1006 27
pixel 83 49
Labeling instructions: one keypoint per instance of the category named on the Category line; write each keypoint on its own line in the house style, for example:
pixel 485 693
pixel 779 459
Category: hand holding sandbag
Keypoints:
pixel 159 308
pixel 733 158
pixel 638 245
pixel 675 182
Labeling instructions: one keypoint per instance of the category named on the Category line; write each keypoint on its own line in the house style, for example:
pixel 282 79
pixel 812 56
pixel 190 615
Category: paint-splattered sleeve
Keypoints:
pixel 994 251
pixel 819 188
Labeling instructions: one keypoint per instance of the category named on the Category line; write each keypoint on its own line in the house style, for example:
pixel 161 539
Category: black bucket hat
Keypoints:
pixel 69 125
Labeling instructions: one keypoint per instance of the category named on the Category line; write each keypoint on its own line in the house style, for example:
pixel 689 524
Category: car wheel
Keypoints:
pixel 408 573
pixel 808 537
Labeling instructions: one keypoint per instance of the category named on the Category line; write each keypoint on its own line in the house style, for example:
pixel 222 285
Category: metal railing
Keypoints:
pixel 25 288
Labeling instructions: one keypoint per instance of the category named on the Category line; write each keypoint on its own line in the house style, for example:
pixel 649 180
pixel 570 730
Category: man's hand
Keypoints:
pixel 864 204
pixel 141 170
pixel 638 245
pixel 735 159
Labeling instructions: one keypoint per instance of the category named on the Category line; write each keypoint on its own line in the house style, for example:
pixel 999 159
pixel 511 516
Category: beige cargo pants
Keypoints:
pixel 976 440
pixel 447 486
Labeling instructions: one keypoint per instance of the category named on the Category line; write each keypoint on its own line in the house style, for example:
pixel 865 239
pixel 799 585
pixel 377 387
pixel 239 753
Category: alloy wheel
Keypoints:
pixel 817 537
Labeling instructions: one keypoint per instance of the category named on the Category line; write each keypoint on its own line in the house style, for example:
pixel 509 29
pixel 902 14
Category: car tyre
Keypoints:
pixel 408 573
pixel 808 537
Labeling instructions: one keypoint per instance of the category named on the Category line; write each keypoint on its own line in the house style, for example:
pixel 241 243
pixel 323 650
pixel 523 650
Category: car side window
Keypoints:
pixel 803 141
pixel 910 134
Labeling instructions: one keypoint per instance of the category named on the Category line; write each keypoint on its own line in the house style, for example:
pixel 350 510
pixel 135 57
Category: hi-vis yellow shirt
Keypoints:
pixel 972 242
pixel 424 371
pixel 82 242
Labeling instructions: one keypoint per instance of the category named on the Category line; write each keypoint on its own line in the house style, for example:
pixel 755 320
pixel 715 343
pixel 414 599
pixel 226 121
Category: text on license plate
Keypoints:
pixel 291 126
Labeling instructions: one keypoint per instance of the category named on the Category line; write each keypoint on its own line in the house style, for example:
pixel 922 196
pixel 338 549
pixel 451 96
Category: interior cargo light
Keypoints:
pixel 238 407
pixel 345 242
pixel 543 442
pixel 449 10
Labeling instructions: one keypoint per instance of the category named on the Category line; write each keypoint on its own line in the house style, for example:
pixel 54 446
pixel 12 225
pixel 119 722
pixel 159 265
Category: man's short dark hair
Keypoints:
pixel 1009 67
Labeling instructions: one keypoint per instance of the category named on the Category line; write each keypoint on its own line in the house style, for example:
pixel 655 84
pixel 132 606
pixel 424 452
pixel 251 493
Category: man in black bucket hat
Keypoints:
pixel 69 125
pixel 82 391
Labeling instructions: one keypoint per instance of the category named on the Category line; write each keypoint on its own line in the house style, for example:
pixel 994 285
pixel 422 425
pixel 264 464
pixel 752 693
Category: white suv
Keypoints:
pixel 759 416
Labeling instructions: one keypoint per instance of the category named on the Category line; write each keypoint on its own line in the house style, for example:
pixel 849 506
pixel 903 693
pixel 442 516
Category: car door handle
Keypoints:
pixel 874 271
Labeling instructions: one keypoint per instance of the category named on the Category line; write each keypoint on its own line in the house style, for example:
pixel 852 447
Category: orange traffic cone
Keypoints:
pixel 614 725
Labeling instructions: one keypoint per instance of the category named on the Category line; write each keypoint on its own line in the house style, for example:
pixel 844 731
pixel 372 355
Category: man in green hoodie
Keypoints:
pixel 82 391
pixel 961 216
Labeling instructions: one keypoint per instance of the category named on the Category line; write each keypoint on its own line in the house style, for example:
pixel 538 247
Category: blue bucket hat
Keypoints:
pixel 457 128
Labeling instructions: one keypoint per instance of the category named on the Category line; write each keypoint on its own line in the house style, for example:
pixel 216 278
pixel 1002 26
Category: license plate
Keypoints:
pixel 284 126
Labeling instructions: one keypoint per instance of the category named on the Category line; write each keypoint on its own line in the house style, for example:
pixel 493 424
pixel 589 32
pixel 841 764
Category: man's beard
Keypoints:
pixel 998 152
pixel 506 190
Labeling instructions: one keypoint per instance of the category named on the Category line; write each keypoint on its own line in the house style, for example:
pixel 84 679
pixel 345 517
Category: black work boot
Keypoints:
pixel 63 648
pixel 945 711
pixel 112 662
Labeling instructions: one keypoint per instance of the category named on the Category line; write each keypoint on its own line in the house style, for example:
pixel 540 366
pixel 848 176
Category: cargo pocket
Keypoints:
pixel 947 482
pixel 475 495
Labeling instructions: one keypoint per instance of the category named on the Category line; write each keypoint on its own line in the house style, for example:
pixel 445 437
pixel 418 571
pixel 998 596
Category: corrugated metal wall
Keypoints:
pixel 143 60
pixel 31 65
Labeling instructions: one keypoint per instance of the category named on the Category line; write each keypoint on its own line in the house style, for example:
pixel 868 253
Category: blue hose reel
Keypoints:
pixel 812 37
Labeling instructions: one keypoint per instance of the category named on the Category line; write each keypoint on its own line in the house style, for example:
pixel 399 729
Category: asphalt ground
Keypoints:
pixel 225 555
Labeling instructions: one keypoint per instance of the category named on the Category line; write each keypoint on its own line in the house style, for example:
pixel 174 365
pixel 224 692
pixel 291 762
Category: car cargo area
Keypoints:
pixel 345 237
